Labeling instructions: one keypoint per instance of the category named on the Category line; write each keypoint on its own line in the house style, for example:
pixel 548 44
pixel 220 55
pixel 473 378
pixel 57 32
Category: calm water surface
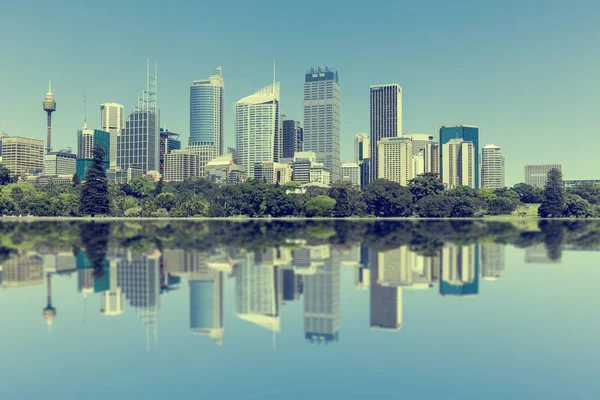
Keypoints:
pixel 299 310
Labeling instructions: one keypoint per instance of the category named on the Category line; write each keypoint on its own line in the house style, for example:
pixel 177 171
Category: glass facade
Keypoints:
pixel 386 119
pixel 206 111
pixel 466 133
pixel 138 144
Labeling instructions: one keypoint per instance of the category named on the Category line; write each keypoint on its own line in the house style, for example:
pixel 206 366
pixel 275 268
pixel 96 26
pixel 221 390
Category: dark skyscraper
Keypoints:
pixel 169 141
pixel 293 138
pixel 466 133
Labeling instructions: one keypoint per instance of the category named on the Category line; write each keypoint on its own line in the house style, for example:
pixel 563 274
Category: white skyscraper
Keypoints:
pixel 322 117
pixel 458 164
pixel 395 160
pixel 362 148
pixel 386 119
pixel 492 167
pixel 111 121
pixel 257 124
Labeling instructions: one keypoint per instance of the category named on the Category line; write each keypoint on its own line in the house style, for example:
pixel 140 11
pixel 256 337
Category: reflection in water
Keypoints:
pixel 273 264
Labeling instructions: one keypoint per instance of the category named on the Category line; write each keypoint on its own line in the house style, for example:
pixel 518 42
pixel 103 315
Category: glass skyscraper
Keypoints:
pixel 257 127
pixel 468 134
pixel 322 117
pixel 293 138
pixel 386 119
pixel 206 112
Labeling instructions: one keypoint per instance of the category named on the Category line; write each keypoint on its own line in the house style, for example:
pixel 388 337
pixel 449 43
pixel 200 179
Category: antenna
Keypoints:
pixel 49 86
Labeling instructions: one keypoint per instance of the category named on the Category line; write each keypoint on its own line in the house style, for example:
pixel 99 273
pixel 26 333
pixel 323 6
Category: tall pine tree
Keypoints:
pixel 554 197
pixel 95 198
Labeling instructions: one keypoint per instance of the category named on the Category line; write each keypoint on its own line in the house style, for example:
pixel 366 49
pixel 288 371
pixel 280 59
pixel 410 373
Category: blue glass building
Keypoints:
pixel 206 112
pixel 467 133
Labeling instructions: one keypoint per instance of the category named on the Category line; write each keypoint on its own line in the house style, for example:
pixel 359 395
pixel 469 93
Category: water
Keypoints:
pixel 299 310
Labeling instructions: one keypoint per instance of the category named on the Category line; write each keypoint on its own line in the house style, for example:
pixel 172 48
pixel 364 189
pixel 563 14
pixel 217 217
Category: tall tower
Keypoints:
pixel 361 147
pixel 49 106
pixel 468 133
pixel 111 118
pixel 322 117
pixel 492 167
pixel 206 112
pixel 386 119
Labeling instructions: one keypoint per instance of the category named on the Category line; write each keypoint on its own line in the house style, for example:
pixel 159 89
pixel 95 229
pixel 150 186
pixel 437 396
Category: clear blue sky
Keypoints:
pixel 526 72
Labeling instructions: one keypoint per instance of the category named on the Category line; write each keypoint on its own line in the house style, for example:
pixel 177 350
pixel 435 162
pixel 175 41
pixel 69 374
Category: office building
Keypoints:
pixel 385 301
pixel 458 167
pixel 301 166
pixel 111 121
pixel 292 138
pixel 139 142
pixel 322 117
pixel 386 119
pixel 459 272
pixel 219 169
pixel 273 173
pixel 322 303
pixel 22 156
pixel 365 172
pixel 361 147
pixel 23 270
pixel 181 165
pixel 257 124
pixel 536 175
pixel 87 139
pixel 169 141
pixel 492 167
pixel 292 285
pixel 206 112
pixel 432 158
pixel 60 164
pixel 351 173
pixel 206 304
pixel 419 141
pixel 468 134
pixel 112 299
pixel 319 174
pixel 395 159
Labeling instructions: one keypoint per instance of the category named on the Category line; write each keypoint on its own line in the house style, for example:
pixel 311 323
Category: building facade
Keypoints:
pixel 395 160
pixel 257 124
pixel 536 175
pixel 322 117
pixel 219 169
pixel 273 173
pixel 206 112
pixel 292 138
pixel 111 121
pixel 169 141
pixel 181 165
pixel 492 167
pixel 60 164
pixel 351 173
pixel 22 156
pixel 87 139
pixel 386 119
pixel 458 167
pixel 467 133
pixel 361 147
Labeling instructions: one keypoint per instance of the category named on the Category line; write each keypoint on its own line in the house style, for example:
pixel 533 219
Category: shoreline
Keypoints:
pixel 498 218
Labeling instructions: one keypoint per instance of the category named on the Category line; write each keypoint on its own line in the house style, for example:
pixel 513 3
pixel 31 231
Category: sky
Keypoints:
pixel 525 72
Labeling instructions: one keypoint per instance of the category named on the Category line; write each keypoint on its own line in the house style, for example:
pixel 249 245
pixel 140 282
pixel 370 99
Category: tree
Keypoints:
pixel 76 180
pixel 577 207
pixel 586 191
pixel 528 194
pixel 320 206
pixel 462 191
pixel 554 198
pixel 388 199
pixel 159 187
pixel 502 205
pixel 5 176
pixel 427 184
pixel 165 200
pixel 435 206
pixel 464 207
pixel 140 187
pixel 95 198
pixel 348 199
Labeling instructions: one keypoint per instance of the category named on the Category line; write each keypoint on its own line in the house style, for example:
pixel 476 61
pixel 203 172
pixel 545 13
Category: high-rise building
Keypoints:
pixel 292 285
pixel 365 172
pixel 386 119
pixel 87 139
pixel 218 169
pixel 322 117
pixel 395 159
pixel 351 173
pixel 138 145
pixel 419 141
pixel 111 121
pixel 492 260
pixel 60 164
pixel 181 165
pixel 322 303
pixel 536 175
pixel 206 304
pixel 468 134
pixel 492 167
pixel 257 124
pixel 169 141
pixel 292 138
pixel 22 156
pixel 361 147
pixel 206 112
pixel 273 173
pixel 458 164
pixel 385 301
pixel 301 166
pixel 112 299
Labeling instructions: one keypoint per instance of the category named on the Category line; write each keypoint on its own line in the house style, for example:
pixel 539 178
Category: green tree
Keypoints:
pixel 427 184
pixel 320 206
pixel 165 200
pixel 94 194
pixel 462 191
pixel 76 181
pixel 554 198
pixel 577 207
pixel 140 187
pixel 5 176
pixel 464 207
pixel 528 194
pixel 502 205
pixel 348 200
pixel 159 187
pixel 586 191
pixel 435 206
pixel 388 199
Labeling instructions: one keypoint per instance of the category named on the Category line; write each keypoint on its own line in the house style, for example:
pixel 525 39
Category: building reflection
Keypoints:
pixel 459 270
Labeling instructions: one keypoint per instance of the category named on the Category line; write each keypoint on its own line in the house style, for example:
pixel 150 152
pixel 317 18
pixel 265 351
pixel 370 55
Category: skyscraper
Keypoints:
pixel 467 133
pixel 458 164
pixel 206 304
pixel 492 167
pixel 87 139
pixel 536 175
pixel 322 117
pixel 22 155
pixel 138 144
pixel 111 121
pixel 386 119
pixel 322 303
pixel 361 147
pixel 293 138
pixel 257 123
pixel 395 160
pixel 206 112
pixel 459 270
pixel 385 301
pixel 169 141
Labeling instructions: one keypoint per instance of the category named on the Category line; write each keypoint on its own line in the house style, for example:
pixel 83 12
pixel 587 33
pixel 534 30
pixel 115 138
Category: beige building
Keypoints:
pixel 459 164
pixel 273 172
pixel 492 167
pixel 351 173
pixel 180 165
pixel 395 160
pixel 23 270
pixel 21 155
pixel 536 175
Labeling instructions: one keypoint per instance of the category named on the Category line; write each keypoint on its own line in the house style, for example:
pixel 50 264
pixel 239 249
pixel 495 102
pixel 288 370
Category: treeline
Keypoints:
pixel 423 197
